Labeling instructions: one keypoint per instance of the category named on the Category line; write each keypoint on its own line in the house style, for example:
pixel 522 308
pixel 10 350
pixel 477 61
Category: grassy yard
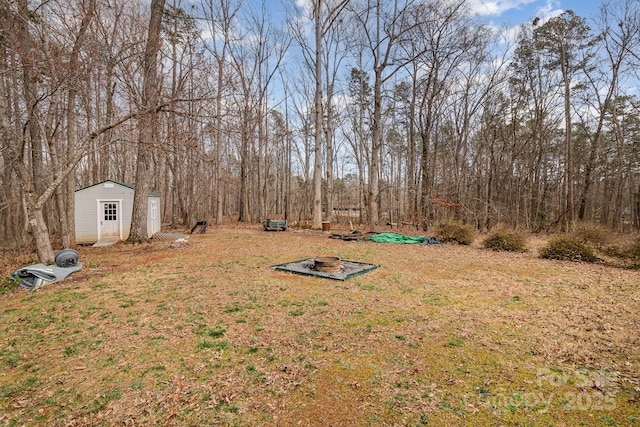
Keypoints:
pixel 208 334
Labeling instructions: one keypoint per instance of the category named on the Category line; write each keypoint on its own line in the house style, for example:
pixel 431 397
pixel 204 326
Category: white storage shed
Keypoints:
pixel 103 212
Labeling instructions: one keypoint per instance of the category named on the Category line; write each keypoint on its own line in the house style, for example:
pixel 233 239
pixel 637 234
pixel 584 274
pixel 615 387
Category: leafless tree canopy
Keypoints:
pixel 366 111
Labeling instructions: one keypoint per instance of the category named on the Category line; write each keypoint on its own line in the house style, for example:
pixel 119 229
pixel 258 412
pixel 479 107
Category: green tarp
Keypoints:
pixel 395 238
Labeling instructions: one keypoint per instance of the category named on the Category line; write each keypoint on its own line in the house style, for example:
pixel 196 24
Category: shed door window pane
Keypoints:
pixel 110 212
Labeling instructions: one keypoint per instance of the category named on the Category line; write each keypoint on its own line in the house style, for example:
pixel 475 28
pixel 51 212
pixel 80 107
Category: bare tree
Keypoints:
pixel 334 55
pixel 620 29
pixel 438 46
pixel 68 215
pixel 323 14
pixel 220 17
pixel 147 124
pixel 427 124
pixel 302 148
pixel 40 88
pixel 385 28
pixel 566 39
pixel 359 117
pixel 255 61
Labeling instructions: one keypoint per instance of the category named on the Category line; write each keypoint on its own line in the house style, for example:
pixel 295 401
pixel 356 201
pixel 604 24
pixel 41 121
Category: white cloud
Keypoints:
pixel 306 6
pixel 495 7
pixel 549 10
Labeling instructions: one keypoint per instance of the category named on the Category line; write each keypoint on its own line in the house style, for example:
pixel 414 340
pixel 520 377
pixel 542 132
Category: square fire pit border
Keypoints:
pixel 305 267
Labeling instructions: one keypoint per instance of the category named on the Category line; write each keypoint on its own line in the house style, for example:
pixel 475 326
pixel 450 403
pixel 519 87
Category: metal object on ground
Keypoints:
pixel 348 269
pixel 354 235
pixel 327 263
pixel 274 225
pixel 66 258
pixel 162 236
pixel 199 228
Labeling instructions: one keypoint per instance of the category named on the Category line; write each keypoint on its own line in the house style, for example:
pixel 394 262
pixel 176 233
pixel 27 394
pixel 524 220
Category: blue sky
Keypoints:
pixel 505 13
pixel 514 12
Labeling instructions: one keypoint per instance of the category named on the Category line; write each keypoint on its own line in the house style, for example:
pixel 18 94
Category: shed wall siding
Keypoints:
pixel 86 213
pixel 88 204
pixel 85 216
pixel 126 212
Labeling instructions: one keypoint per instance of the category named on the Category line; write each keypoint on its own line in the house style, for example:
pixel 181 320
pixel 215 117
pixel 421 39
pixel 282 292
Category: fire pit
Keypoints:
pixel 329 267
pixel 327 263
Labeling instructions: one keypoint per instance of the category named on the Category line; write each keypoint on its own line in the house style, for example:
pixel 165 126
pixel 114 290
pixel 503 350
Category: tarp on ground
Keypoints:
pixel 395 238
pixel 36 276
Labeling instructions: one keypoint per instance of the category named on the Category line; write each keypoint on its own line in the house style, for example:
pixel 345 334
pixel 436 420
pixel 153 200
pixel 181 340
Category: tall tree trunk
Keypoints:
pixel 32 179
pixel 411 181
pixel 147 125
pixel 68 197
pixel 588 172
pixel 329 156
pixel 426 172
pixel 219 187
pixel 317 150
pixel 244 169
pixel 376 143
pixel 570 204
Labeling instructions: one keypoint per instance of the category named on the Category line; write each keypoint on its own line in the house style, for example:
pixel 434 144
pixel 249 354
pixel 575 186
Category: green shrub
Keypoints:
pixel 592 233
pixel 505 241
pixel 628 255
pixel 633 250
pixel 615 251
pixel 568 248
pixel 454 231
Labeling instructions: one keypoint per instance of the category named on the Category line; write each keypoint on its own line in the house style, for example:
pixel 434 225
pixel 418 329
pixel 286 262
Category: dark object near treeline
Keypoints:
pixel 199 228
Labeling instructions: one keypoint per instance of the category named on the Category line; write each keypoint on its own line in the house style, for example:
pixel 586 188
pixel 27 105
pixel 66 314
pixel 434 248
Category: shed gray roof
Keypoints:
pixel 150 193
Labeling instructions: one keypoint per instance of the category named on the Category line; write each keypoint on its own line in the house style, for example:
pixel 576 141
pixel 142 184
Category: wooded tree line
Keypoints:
pixel 401 110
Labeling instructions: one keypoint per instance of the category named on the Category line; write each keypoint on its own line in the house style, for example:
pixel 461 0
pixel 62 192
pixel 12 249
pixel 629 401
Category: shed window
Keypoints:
pixel 110 212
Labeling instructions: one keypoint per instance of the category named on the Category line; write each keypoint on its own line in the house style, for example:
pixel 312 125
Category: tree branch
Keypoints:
pixel 46 195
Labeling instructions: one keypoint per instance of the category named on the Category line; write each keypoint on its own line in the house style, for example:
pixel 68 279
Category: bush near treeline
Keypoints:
pixel 506 241
pixel 454 231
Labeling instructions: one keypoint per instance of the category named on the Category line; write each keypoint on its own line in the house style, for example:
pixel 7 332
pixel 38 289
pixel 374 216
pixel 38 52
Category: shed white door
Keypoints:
pixel 110 220
pixel 154 217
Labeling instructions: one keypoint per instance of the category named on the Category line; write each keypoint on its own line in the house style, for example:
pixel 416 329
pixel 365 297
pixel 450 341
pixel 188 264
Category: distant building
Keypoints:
pixel 348 206
pixel 103 212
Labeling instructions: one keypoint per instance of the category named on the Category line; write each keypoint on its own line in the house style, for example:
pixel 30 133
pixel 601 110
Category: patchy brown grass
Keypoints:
pixel 208 334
